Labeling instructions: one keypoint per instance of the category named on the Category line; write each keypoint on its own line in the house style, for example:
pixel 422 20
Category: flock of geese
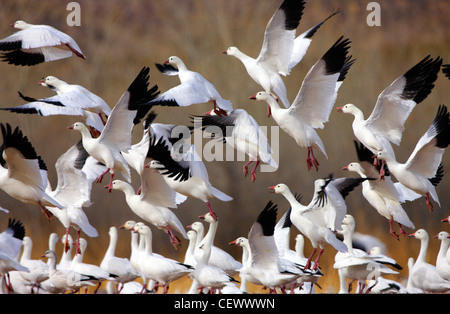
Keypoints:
pixel 170 173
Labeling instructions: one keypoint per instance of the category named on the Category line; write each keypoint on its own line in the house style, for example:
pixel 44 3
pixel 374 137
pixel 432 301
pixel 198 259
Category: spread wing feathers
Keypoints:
pixel 396 102
pixel 23 162
pixel 11 238
pixel 167 69
pixel 317 94
pixel 118 129
pixel 427 155
pixel 366 159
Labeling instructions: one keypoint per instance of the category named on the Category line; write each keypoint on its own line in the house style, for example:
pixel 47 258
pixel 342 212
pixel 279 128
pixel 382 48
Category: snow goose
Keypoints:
pixel 71 99
pixel 442 266
pixel 383 195
pixel 147 206
pixel 218 257
pixel 194 88
pixel 206 274
pixel 76 171
pixel 162 270
pixel 116 136
pixel 275 57
pixel 92 270
pixel 34 44
pixel 358 265
pixel 314 102
pixel 38 269
pixel 311 226
pixel 189 258
pixel 423 275
pixel 423 170
pixel 10 243
pixel 25 177
pixel 186 174
pixel 64 278
pixel 118 266
pixel 385 124
pixel 246 263
pixel 241 131
pixel 266 265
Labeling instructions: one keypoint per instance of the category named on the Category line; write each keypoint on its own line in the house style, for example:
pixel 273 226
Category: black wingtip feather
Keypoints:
pixel 16 229
pixel 268 218
pixel 293 10
pixel 19 57
pixel 336 57
pixel 441 124
pixel 314 29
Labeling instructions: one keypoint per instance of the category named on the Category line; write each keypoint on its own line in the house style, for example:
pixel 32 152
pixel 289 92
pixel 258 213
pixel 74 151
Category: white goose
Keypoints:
pixel 116 136
pixel 384 195
pixel 246 263
pixel 205 274
pixel 241 131
pixel 118 266
pixel 25 177
pixel 314 101
pixel 423 275
pixel 71 99
pixel 385 124
pixel 358 265
pixel 186 174
pixel 194 88
pixel 76 171
pixel 279 52
pixel 311 226
pixel 38 269
pixel 160 269
pixel 423 170
pixel 189 258
pixel 218 257
pixel 442 265
pixel 148 207
pixel 35 44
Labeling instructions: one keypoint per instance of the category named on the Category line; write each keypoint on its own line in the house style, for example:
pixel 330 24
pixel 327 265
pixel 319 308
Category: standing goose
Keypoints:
pixel 25 177
pixel 423 170
pixel 194 88
pixel 442 265
pixel 314 102
pixel 35 44
pixel 116 136
pixel 385 124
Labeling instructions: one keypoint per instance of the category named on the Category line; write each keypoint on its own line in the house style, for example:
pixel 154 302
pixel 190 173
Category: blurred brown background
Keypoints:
pixel 119 38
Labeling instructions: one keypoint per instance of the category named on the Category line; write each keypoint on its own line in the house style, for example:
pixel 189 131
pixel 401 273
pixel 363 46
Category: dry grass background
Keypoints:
pixel 119 38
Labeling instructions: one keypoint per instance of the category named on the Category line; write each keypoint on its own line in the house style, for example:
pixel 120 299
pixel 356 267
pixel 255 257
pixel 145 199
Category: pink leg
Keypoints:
pixel 311 160
pixel 382 172
pixel 269 111
pixel 429 205
pixel 254 171
pixel 245 168
pixel 173 238
pixel 316 262
pixel 100 177
pixel 213 214
pixel 402 231
pixel 308 262
pixel 109 186
pixel 78 241
pixel 391 230
pixel 66 242
pixel 45 211
pixel 218 111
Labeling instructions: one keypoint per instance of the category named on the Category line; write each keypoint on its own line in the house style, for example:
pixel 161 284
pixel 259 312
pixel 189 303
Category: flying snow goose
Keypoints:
pixel 311 226
pixel 118 266
pixel 442 266
pixel 194 88
pixel 241 131
pixel 277 49
pixel 25 177
pixel 71 99
pixel 161 269
pixel 35 44
pixel 423 275
pixel 147 206
pixel 356 264
pixel 314 102
pixel 385 124
pixel 383 195
pixel 76 171
pixel 186 174
pixel 116 136
pixel 423 170
pixel 205 274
